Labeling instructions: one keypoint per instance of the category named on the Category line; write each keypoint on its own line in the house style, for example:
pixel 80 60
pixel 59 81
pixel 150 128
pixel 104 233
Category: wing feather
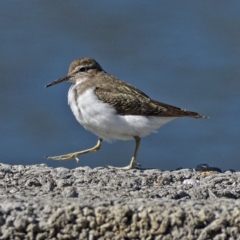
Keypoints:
pixel 128 100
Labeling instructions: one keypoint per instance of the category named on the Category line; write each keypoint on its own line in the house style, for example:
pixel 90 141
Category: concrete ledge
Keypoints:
pixel 38 202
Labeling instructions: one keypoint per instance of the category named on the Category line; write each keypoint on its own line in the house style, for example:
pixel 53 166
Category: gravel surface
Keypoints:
pixel 39 202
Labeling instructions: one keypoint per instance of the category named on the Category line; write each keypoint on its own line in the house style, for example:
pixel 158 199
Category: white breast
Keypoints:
pixel 102 120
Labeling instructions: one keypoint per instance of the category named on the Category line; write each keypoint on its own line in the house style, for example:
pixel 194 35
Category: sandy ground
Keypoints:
pixel 38 202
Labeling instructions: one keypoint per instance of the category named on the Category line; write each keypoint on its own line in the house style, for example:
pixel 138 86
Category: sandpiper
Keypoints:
pixel 113 109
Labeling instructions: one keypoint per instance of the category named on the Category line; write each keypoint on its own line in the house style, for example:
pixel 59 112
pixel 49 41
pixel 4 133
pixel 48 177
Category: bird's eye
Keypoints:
pixel 83 69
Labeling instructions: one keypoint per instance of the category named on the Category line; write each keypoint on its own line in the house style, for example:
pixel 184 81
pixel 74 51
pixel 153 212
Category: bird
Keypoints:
pixel 113 109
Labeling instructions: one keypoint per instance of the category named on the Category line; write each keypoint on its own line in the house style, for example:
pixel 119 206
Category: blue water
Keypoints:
pixel 184 53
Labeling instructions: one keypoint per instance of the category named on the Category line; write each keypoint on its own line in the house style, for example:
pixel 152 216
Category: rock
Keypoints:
pixel 38 202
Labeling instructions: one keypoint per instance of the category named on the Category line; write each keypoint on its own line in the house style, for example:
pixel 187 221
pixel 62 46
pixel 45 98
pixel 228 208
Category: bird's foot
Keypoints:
pixel 133 164
pixel 64 157
pixel 76 154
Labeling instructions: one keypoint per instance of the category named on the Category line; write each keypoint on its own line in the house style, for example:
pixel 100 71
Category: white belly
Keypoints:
pixel 102 120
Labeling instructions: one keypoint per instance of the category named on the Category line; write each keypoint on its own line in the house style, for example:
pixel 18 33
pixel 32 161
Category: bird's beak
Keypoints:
pixel 60 80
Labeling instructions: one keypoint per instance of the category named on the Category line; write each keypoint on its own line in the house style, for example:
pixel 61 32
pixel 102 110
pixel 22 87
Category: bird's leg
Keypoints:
pixel 76 154
pixel 133 162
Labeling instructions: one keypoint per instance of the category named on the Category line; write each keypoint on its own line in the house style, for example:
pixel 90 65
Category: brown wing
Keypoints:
pixel 129 104
pixel 137 104
pixel 128 100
